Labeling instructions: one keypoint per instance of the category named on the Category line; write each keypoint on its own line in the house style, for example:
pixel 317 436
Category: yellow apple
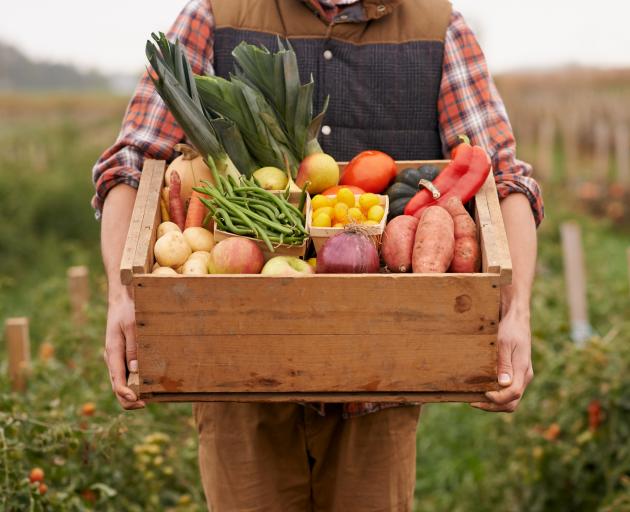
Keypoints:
pixel 321 170
pixel 271 178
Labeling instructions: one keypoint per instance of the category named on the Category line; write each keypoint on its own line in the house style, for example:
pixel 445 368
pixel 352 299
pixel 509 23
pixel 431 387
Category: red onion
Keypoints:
pixel 350 252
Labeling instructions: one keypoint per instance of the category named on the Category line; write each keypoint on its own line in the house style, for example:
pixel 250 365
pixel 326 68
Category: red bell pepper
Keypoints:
pixel 462 178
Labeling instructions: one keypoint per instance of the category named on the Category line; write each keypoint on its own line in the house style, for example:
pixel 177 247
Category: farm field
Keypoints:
pixel 568 447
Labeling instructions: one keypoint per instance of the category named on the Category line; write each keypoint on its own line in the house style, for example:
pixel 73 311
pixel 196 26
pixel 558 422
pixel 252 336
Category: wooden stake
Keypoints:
pixel 79 290
pixel 602 152
pixel 570 144
pixel 546 137
pixel 18 343
pixel 622 154
pixel 575 278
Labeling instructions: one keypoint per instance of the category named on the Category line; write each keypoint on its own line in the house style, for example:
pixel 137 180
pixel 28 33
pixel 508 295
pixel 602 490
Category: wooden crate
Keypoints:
pixel 333 338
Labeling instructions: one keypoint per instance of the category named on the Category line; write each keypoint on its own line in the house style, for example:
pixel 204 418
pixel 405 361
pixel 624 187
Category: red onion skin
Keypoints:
pixel 349 252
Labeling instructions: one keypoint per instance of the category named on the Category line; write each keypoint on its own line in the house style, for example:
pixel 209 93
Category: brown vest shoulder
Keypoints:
pixel 412 20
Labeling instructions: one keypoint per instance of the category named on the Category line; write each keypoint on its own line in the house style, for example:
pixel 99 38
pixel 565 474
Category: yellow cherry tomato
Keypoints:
pixel 341 213
pixel 376 213
pixel 345 195
pixel 322 220
pixel 312 262
pixel 339 225
pixel 328 210
pixel 355 215
pixel 367 201
pixel 320 201
pixel 371 223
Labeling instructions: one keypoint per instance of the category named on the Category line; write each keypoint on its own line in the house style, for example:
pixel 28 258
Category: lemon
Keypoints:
pixel 376 213
pixel 355 215
pixel 367 201
pixel 320 201
pixel 346 196
pixel 341 213
pixel 322 220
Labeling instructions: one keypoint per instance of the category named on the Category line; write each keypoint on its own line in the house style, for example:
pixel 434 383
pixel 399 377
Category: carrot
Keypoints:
pixel 467 256
pixel 175 203
pixel 434 245
pixel 196 211
pixel 164 210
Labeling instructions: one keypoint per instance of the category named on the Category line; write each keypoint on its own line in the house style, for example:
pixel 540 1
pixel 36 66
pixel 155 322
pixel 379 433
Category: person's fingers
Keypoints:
pixel 505 371
pixel 492 407
pixel 520 366
pixel 115 358
pixel 131 352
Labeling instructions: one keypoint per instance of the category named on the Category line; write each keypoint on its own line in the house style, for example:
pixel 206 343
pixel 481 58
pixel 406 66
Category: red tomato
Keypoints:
pixel 370 170
pixel 36 475
pixel 332 191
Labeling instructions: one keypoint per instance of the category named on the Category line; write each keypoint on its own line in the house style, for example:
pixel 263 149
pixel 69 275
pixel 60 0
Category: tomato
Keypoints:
pixel 36 475
pixel 370 170
pixel 332 191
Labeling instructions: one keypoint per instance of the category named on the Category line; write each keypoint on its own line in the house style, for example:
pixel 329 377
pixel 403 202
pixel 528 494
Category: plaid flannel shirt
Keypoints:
pixel 468 103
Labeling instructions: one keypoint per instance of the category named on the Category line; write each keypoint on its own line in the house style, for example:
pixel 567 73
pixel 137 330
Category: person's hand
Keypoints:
pixel 514 364
pixel 120 349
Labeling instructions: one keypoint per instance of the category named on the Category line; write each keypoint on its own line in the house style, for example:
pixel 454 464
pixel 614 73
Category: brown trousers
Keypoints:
pixel 288 458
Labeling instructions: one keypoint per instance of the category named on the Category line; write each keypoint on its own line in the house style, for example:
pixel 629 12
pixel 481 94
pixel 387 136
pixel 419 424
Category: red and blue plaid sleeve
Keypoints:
pixel 148 129
pixel 470 104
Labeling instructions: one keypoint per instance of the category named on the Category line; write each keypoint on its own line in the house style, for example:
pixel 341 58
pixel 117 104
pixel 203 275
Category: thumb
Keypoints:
pixel 504 365
pixel 131 352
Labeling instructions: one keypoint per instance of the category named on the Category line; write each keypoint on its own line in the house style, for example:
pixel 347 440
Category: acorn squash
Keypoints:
pixel 405 186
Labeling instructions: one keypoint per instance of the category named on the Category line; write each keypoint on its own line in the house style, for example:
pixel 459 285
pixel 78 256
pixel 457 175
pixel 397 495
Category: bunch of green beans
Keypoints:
pixel 245 208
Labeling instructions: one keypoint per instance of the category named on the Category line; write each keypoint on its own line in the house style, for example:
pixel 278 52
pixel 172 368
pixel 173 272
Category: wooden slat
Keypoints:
pixel 322 304
pixel 315 397
pixel 133 234
pixel 19 348
pixel 502 256
pixel 495 251
pixel 317 363
pixel 143 259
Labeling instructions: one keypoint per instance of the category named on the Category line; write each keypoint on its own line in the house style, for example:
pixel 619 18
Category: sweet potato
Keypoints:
pixel 434 244
pixel 398 241
pixel 467 256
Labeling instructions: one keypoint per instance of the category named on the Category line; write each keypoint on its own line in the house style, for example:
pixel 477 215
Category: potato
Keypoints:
pixel 203 255
pixel 434 245
pixel 165 227
pixel 156 265
pixel 398 241
pixel 172 250
pixel 467 254
pixel 199 239
pixel 164 271
pixel 195 266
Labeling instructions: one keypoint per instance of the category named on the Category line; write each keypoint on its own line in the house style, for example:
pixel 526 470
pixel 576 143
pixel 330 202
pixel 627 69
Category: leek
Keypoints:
pixel 175 83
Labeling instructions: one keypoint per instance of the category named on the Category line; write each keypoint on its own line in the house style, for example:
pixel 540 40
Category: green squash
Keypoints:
pixel 406 186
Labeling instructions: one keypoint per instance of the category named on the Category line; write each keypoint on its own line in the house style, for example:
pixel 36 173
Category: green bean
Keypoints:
pixel 230 225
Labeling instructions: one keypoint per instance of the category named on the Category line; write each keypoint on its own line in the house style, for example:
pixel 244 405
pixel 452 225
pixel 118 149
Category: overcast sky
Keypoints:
pixel 110 35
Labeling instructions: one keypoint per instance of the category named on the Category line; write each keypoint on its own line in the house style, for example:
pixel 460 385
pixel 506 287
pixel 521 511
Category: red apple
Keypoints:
pixel 287 266
pixel 237 255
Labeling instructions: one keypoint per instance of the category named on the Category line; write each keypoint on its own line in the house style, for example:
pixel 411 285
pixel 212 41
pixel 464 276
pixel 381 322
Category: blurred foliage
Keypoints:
pixel 567 448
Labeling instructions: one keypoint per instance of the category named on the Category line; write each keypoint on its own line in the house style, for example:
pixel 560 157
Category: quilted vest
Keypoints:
pixel 382 67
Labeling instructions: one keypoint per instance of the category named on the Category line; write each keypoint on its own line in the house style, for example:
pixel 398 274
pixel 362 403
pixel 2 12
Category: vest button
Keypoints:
pixel 328 55
pixel 326 130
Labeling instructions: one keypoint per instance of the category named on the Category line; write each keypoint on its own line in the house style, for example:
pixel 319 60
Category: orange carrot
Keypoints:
pixel 175 203
pixel 196 211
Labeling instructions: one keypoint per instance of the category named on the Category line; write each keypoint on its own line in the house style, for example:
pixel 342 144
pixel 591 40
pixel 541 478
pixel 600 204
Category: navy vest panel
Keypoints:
pixel 382 96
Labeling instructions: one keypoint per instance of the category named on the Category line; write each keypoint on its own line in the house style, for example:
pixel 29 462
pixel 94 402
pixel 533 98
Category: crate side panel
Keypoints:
pixel 317 363
pixel 342 305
